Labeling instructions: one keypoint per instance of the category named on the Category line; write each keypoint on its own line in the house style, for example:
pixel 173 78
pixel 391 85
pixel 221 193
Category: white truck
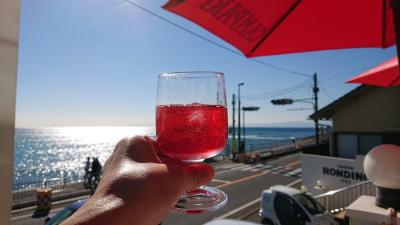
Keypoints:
pixel 282 205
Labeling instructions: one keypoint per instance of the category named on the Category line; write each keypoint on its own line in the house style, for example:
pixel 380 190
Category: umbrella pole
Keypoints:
pixel 395 5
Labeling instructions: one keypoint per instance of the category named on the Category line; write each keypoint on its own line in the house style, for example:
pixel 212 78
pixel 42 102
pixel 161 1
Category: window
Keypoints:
pixel 283 208
pixel 367 142
pixel 348 145
pixel 288 211
pixel 312 206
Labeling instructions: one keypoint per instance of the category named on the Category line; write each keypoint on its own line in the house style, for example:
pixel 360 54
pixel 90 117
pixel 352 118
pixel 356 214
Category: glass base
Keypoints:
pixel 193 161
pixel 202 200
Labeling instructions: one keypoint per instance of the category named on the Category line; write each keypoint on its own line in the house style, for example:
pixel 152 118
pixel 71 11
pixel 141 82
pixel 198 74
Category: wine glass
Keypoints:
pixel 192 125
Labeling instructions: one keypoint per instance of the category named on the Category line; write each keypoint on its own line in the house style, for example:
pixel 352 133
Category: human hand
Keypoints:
pixel 139 186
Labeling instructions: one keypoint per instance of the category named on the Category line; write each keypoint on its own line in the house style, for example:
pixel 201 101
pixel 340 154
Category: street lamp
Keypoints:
pixel 239 143
pixel 234 143
pixel 247 108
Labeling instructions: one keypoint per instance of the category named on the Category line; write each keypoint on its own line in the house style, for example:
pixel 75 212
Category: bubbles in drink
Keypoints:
pixel 191 132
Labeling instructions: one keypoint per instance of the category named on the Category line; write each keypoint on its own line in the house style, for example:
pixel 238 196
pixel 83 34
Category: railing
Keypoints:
pixel 55 183
pixel 28 191
pixel 341 198
pixel 267 145
pixel 25 185
pixel 273 144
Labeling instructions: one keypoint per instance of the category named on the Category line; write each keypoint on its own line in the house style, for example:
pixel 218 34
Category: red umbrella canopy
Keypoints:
pixel 269 27
pixel 385 75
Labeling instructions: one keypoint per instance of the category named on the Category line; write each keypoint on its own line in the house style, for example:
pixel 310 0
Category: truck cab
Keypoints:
pixel 282 205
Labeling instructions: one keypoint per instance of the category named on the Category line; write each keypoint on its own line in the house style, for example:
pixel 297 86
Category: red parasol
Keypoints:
pixel 269 27
pixel 385 75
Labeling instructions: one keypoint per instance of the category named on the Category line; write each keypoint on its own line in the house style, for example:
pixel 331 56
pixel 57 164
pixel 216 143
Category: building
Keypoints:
pixel 361 119
pixel 9 37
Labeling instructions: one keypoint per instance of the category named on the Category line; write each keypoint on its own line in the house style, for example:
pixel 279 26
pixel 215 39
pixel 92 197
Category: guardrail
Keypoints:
pixel 274 144
pixel 266 144
pixel 27 182
pixel 341 198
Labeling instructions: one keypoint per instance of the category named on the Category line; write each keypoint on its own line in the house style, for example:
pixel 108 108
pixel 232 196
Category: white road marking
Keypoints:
pixel 231 167
pixel 296 171
pixel 247 168
pixel 240 167
pixel 295 182
pixel 220 181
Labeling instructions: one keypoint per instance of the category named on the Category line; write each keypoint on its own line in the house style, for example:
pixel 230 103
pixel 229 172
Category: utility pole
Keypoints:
pixel 316 90
pixel 247 108
pixel 234 144
pixel 244 132
pixel 313 101
pixel 239 142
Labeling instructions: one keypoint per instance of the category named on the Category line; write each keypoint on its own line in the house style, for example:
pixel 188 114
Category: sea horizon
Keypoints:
pixel 229 126
pixel 53 152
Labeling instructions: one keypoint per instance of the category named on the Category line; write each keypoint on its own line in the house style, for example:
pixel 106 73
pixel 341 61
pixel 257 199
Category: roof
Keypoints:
pixel 327 112
pixel 286 190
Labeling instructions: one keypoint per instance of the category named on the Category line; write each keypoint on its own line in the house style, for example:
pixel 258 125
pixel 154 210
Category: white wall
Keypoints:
pixel 9 28
pixel 334 173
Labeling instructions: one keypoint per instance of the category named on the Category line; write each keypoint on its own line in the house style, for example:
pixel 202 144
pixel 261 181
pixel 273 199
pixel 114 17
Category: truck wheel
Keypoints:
pixel 266 221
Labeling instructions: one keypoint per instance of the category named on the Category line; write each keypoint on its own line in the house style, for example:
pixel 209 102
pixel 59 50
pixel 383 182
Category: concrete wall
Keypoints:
pixel 377 110
pixel 9 28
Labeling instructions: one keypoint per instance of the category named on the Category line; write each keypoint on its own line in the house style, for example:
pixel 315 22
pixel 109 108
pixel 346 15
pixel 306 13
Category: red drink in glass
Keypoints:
pixel 192 125
pixel 191 132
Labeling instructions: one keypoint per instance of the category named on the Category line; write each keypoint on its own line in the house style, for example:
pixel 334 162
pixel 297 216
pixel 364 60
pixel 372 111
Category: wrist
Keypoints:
pixel 98 210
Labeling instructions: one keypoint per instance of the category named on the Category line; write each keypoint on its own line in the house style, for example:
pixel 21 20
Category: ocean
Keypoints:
pixel 60 152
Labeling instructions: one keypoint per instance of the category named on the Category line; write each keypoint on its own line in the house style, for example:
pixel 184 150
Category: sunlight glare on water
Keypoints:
pixel 102 134
pixel 62 151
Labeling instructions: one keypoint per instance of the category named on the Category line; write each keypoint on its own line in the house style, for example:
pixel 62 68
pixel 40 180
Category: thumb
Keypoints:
pixel 196 175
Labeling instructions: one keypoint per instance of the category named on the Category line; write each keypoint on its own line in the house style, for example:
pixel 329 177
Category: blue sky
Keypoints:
pixel 95 62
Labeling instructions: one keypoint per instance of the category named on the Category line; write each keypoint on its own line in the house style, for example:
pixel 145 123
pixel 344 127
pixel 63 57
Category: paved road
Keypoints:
pixel 252 212
pixel 242 183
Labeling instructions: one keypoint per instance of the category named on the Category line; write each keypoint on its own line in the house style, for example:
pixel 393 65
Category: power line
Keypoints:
pixel 292 92
pixel 348 73
pixel 275 93
pixel 280 68
pixel 325 91
pixel 334 84
pixel 213 42
pixel 335 77
pixel 263 97
pixel 305 89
